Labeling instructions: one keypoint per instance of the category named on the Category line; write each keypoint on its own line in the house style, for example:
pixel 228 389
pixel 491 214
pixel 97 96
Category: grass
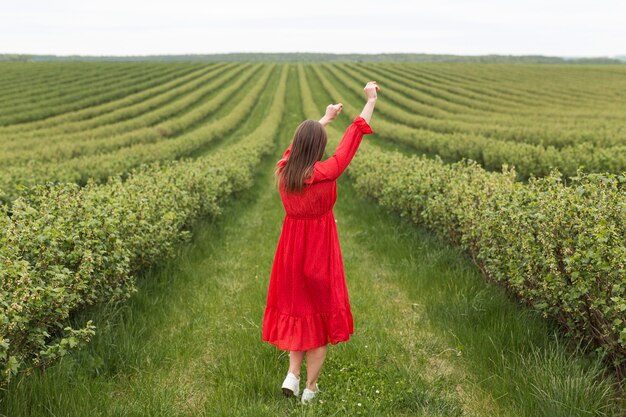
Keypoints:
pixel 431 337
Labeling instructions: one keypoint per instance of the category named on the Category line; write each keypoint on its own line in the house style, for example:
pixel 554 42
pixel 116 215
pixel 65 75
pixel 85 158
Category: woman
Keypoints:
pixel 307 300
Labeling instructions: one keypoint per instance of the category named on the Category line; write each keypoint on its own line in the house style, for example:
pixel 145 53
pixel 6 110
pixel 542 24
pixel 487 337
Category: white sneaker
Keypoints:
pixel 291 385
pixel 307 394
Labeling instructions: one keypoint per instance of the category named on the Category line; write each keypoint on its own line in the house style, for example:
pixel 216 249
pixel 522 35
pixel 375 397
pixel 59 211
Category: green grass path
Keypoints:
pixel 431 338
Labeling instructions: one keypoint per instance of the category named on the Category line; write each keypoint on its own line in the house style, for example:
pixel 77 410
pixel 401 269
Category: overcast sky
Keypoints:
pixel 472 27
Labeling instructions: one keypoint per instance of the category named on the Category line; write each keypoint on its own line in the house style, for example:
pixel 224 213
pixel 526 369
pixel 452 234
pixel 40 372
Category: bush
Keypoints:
pixel 65 247
pixel 559 247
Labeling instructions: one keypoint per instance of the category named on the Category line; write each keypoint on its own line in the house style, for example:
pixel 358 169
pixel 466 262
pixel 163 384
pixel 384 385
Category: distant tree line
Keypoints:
pixel 325 57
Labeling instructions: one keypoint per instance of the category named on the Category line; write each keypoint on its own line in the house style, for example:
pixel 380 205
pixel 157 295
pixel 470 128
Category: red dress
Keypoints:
pixel 307 300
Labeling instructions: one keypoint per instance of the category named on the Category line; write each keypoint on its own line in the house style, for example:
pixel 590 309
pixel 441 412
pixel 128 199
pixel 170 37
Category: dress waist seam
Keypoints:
pixel 308 217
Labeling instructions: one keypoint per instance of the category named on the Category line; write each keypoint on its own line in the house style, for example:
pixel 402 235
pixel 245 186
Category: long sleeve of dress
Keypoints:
pixel 334 166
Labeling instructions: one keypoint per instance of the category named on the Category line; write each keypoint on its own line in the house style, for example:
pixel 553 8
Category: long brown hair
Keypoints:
pixel 307 147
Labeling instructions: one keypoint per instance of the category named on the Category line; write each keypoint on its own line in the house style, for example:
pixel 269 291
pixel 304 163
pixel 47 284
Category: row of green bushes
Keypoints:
pixel 449 95
pixel 459 95
pixel 495 99
pixel 66 84
pixel 65 247
pixel 153 92
pixel 61 98
pixel 506 125
pixel 186 102
pixel 560 248
pixel 164 145
pixel 528 159
pixel 15 74
pixel 530 87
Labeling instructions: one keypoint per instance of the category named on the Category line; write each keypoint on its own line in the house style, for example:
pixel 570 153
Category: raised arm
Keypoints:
pixel 370 91
pixel 334 166
pixel 332 111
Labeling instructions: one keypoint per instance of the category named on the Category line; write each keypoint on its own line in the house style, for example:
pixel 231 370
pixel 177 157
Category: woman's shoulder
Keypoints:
pixel 313 177
pixel 320 171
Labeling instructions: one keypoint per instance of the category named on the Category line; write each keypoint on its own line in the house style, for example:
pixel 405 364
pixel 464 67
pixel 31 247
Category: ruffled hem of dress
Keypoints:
pixel 297 333
pixel 363 125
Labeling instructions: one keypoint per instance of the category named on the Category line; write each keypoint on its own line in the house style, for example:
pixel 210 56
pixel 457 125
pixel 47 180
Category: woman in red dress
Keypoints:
pixel 307 300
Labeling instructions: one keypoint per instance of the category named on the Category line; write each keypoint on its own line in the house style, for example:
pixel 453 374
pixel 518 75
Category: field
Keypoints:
pixel 483 227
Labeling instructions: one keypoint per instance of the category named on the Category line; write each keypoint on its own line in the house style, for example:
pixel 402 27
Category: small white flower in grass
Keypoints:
pixel 359 404
pixel 377 392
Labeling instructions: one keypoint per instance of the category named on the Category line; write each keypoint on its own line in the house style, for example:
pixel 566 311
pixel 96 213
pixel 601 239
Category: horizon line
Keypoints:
pixel 315 53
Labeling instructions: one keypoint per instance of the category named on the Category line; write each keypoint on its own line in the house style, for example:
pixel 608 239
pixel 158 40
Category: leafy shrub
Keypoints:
pixel 561 248
pixel 64 247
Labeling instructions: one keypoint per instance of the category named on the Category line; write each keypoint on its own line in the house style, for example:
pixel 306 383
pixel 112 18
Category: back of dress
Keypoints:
pixel 307 299
pixel 320 190
pixel 315 200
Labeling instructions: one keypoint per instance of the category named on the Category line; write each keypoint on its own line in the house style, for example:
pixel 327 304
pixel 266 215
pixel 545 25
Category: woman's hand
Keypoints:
pixel 332 111
pixel 370 90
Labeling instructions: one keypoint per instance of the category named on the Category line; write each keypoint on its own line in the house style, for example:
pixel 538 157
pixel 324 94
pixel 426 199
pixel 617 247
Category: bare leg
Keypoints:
pixel 314 361
pixel 295 362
